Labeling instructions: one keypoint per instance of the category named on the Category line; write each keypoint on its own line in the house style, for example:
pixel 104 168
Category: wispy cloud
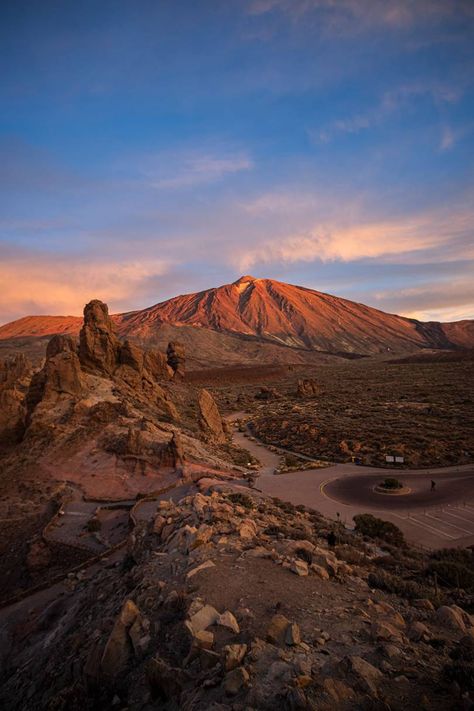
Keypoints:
pixel 173 171
pixel 449 232
pixel 358 15
pixel 392 102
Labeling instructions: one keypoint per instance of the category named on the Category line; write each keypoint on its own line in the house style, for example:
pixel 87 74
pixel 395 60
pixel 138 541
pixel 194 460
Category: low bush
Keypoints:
pixel 452 574
pixel 94 525
pixel 391 483
pixel 376 528
pixel 242 500
pixel 397 585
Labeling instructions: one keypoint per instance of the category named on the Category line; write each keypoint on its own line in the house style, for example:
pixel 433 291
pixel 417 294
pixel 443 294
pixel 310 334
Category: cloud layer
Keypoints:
pixel 170 147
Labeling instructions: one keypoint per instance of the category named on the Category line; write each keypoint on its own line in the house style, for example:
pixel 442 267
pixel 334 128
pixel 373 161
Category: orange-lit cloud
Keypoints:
pixel 329 241
pixel 63 286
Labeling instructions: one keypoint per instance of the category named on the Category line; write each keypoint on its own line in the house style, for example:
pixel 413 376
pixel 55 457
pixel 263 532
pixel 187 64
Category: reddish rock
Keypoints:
pixel 98 345
pixel 176 357
pixel 210 420
pixel 307 387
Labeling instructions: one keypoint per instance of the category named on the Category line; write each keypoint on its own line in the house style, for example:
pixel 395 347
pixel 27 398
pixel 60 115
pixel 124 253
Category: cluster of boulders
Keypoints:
pixel 230 601
pixel 99 353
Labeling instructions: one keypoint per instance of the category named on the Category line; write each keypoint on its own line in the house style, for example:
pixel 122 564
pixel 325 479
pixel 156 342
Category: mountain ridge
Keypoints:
pixel 271 311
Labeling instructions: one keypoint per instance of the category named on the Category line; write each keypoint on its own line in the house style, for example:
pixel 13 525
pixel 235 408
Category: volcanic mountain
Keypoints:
pixel 268 312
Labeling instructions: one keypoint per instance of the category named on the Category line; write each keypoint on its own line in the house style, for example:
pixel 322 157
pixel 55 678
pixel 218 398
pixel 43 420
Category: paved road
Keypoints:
pixel 442 518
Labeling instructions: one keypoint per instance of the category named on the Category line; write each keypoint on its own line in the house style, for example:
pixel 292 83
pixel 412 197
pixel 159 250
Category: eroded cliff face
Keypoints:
pixel 15 374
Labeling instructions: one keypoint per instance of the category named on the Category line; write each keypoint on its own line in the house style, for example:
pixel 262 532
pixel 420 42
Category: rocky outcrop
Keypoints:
pixel 129 637
pixel 307 387
pixel 176 358
pixel 172 454
pixel 155 363
pixel 61 374
pixel 15 374
pixel 198 617
pixel 210 420
pixel 99 347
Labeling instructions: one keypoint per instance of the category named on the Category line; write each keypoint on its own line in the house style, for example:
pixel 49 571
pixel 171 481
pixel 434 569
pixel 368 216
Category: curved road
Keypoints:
pixel 442 518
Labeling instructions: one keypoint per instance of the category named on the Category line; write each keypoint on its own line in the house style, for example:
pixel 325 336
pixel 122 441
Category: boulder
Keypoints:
pixel 228 620
pixel 233 655
pixel 119 647
pixel 235 680
pixel 299 567
pixel 247 529
pixel 453 617
pixel 307 387
pixel 419 632
pixel 360 674
pixel 203 566
pixel 203 618
pixel 210 420
pixel 276 632
pixel 292 634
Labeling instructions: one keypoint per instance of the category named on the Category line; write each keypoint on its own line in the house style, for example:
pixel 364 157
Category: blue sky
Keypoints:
pixel 153 148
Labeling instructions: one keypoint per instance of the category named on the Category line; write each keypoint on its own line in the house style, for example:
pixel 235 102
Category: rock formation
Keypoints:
pixel 210 420
pixel 98 345
pixel 176 358
pixel 61 374
pixel 307 387
pixel 172 454
pixel 15 374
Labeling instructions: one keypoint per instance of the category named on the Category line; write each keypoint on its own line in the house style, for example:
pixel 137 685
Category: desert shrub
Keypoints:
pixel 373 527
pixel 452 574
pixel 391 483
pixel 274 530
pixel 464 556
pixel 242 500
pixel 291 460
pixel 351 555
pixel 285 506
pixel 397 585
pixel 93 525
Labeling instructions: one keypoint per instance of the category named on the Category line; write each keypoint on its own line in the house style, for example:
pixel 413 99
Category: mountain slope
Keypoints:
pixel 275 312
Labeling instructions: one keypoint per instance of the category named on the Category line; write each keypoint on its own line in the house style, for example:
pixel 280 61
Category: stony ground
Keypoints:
pixel 235 602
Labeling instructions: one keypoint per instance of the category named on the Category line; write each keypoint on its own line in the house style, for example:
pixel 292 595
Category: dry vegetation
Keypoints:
pixel 423 411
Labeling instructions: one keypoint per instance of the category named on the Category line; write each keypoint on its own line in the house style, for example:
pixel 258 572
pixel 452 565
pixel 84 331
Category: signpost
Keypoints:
pixel 394 459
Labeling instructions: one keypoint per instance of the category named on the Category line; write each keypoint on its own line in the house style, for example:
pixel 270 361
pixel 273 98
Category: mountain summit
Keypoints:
pixel 267 310
pixel 297 317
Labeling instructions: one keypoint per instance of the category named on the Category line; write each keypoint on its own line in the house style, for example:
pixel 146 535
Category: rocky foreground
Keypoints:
pixel 217 598
pixel 231 601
